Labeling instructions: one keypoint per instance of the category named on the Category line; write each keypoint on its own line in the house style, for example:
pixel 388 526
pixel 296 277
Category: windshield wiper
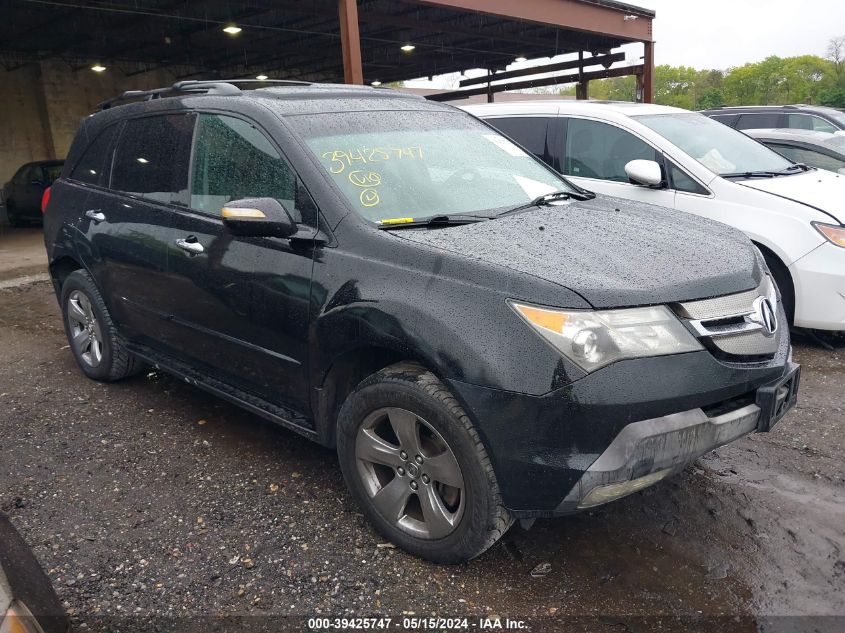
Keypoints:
pixel 767 174
pixel 549 198
pixel 795 166
pixel 436 220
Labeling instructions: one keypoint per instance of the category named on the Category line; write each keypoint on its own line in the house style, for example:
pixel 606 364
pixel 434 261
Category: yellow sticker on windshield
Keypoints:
pixel 396 221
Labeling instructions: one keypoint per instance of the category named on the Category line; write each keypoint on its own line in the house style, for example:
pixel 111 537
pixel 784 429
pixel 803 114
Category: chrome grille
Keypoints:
pixel 737 325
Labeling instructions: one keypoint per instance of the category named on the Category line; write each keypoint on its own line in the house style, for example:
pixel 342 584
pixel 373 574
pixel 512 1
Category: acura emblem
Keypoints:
pixel 764 316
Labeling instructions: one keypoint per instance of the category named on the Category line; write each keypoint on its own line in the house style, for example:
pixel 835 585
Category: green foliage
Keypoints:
pixel 833 97
pixel 773 81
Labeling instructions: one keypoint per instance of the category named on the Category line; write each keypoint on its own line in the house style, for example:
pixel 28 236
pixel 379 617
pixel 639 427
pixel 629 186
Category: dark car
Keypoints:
pixel 28 602
pixel 821 150
pixel 479 339
pixel 798 117
pixel 23 193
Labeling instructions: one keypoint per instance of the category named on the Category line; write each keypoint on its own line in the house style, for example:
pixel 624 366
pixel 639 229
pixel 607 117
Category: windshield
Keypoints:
pixel 718 147
pixel 421 164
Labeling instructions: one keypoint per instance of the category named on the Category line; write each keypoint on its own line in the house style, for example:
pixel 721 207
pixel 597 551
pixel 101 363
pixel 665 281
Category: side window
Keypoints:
pixel 679 180
pixel 600 150
pixel 810 157
pixel 25 175
pixel 94 166
pixel 809 122
pixel 758 120
pixel 234 160
pixel 529 131
pixel 152 158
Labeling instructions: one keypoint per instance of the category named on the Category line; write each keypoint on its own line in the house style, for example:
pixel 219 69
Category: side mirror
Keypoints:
pixel 259 217
pixel 644 172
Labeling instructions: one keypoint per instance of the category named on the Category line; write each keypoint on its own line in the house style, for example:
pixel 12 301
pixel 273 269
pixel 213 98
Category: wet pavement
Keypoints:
pixel 151 498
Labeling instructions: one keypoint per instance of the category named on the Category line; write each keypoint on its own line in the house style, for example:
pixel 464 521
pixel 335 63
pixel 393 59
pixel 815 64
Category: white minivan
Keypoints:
pixel 684 160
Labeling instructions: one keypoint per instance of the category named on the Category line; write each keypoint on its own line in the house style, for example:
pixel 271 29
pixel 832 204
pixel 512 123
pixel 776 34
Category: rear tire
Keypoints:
pixel 99 349
pixel 403 436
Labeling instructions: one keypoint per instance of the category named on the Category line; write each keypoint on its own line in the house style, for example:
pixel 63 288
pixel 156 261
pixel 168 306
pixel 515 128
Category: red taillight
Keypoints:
pixel 45 200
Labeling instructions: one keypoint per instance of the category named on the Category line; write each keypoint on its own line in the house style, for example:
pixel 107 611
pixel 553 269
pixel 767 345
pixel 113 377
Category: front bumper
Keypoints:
pixel 542 446
pixel 646 452
pixel 819 280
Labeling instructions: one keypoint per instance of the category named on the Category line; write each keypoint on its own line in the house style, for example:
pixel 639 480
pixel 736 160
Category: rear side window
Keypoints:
pixel 758 120
pixel 94 166
pixel 600 150
pixel 530 132
pixel 152 158
pixel 234 160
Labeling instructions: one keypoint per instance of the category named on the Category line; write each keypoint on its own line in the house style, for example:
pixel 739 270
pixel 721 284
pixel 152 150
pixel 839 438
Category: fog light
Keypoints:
pixel 610 492
pixel 18 619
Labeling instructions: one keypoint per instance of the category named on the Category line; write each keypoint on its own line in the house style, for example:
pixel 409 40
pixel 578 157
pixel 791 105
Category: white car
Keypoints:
pixel 684 160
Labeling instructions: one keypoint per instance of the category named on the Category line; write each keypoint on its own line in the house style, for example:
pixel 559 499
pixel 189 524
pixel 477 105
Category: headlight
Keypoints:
pixel 594 339
pixel 832 233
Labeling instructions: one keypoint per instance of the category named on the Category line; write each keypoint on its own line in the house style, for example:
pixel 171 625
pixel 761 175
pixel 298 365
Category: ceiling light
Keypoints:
pixel 521 59
pixel 407 48
pixel 143 161
pixel 232 29
pixel 261 77
pixel 98 68
pixel 376 83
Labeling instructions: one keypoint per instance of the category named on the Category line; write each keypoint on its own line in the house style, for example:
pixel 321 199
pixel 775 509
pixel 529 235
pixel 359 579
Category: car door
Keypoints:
pixel 127 222
pixel 593 154
pixel 241 303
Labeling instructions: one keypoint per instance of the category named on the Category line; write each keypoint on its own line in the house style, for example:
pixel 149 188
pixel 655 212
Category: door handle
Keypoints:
pixel 95 215
pixel 192 247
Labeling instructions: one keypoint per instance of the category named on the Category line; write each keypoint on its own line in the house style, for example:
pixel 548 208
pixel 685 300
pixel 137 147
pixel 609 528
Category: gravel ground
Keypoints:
pixel 151 499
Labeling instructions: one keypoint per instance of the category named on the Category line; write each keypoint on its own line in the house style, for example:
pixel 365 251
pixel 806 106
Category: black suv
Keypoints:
pixel 480 340
pixel 798 117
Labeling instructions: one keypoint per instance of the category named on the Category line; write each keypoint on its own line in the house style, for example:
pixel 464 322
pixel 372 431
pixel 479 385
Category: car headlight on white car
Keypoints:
pixel 832 233
pixel 593 339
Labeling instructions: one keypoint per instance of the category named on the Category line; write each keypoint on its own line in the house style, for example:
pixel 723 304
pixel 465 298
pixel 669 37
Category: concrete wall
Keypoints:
pixel 42 103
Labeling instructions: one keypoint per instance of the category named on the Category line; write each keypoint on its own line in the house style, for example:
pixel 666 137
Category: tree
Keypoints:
pixel 836 54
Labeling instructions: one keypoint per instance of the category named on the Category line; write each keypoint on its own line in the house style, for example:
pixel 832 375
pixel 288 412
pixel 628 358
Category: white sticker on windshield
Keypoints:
pixel 533 188
pixel 504 144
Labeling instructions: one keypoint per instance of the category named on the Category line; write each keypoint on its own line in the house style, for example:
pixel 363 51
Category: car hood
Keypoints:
pixel 613 252
pixel 822 190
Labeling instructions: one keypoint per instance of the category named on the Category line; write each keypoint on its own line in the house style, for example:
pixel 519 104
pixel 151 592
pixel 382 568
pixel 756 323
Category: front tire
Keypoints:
pixel 11 217
pixel 97 346
pixel 783 280
pixel 417 467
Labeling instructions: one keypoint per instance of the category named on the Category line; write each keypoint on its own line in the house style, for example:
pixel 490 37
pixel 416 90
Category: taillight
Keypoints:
pixel 45 200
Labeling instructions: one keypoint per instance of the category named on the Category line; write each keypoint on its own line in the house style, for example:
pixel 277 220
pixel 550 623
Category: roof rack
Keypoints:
pixel 217 87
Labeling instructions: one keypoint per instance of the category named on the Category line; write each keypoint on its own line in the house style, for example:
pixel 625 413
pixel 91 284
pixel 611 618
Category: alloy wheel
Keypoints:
pixel 410 473
pixel 85 331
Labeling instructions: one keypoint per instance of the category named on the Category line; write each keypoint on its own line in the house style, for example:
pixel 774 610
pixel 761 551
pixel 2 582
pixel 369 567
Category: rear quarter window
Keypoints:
pixel 94 166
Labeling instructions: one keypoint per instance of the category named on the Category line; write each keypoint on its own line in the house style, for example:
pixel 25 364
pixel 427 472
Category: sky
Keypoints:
pixel 723 33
